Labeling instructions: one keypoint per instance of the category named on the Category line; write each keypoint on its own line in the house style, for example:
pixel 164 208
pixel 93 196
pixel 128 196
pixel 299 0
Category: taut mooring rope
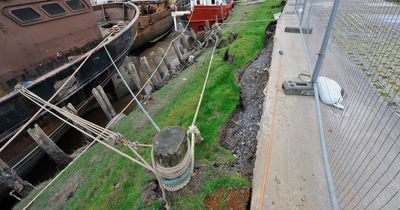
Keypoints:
pixel 55 94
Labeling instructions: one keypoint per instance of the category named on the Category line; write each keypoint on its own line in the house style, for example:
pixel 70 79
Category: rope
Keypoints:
pixel 131 92
pixel 188 161
pixel 90 135
pixel 54 95
pixel 159 64
pixel 204 85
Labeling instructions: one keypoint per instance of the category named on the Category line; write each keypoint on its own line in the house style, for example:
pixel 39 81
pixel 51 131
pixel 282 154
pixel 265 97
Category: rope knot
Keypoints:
pixel 193 129
pixel 116 138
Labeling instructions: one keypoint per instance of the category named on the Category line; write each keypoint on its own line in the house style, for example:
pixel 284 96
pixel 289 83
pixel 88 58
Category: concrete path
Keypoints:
pixel 288 172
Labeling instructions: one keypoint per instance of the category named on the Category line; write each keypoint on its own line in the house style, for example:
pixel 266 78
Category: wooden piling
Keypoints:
pixel 104 102
pixel 166 61
pixel 156 60
pixel 208 28
pixel 185 42
pixel 170 146
pixel 143 75
pixel 11 179
pixel 193 35
pixel 135 74
pixel 70 108
pixel 48 145
pixel 176 44
pixel 156 78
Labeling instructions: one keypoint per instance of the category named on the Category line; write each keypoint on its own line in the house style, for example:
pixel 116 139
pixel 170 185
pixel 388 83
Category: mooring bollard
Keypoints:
pixel 156 78
pixel 104 102
pixel 156 60
pixel 166 61
pixel 70 108
pixel 173 158
pixel 48 145
pixel 11 180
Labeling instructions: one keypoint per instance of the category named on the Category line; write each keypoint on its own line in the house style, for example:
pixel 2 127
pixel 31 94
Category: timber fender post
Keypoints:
pixel 70 108
pixel 104 102
pixel 143 77
pixel 167 62
pixel 11 179
pixel 156 59
pixel 136 77
pixel 156 78
pixel 48 145
pixel 176 44
pixel 172 157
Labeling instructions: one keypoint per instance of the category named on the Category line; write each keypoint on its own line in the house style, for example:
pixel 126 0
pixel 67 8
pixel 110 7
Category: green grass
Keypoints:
pixel 100 169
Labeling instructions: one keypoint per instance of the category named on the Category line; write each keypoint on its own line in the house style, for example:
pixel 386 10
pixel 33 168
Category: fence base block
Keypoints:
pixel 298 88
pixel 297 30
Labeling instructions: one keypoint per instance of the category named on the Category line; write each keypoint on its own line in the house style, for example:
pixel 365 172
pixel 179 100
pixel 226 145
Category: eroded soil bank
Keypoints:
pixel 239 133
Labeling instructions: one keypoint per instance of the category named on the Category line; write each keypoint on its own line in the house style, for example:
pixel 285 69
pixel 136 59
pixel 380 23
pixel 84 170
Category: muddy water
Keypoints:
pixel 72 139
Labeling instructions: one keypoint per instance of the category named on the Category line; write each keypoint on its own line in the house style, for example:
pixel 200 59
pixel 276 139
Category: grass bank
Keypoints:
pixel 101 179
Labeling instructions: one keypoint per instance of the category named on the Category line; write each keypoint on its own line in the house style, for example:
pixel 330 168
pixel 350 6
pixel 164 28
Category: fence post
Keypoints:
pixel 48 145
pixel 317 69
pixel 325 41
pixel 11 179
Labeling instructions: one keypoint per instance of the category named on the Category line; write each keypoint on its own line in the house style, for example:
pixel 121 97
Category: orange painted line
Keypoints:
pixel 266 167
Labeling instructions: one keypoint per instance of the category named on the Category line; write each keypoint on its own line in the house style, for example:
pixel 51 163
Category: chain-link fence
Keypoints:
pixel 363 57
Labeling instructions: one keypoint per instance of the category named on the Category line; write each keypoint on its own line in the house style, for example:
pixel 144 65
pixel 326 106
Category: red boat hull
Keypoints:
pixel 201 13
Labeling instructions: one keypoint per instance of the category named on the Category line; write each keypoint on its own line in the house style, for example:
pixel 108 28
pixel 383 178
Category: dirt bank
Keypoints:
pixel 239 134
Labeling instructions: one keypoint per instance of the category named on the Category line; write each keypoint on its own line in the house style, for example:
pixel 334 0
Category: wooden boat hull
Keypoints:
pixel 152 27
pixel 16 110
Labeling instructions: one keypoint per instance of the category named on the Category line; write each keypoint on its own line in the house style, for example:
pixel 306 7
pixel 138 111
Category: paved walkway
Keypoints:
pixel 288 172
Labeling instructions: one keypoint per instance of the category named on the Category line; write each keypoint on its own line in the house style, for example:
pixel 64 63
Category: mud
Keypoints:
pixel 233 199
pixel 239 134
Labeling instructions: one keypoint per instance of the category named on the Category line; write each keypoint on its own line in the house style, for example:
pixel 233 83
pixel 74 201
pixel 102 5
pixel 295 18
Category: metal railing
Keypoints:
pixel 362 43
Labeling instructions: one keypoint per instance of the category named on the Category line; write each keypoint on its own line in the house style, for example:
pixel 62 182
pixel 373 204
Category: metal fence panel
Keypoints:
pixel 363 56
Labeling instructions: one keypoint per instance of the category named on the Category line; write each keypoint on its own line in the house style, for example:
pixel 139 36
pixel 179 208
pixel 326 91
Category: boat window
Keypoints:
pixel 53 9
pixel 212 1
pixel 75 5
pixel 26 14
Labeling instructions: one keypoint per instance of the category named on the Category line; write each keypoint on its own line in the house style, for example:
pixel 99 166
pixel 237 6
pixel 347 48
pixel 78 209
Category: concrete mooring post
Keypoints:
pixel 166 61
pixel 11 179
pixel 104 102
pixel 70 108
pixel 48 145
pixel 156 60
